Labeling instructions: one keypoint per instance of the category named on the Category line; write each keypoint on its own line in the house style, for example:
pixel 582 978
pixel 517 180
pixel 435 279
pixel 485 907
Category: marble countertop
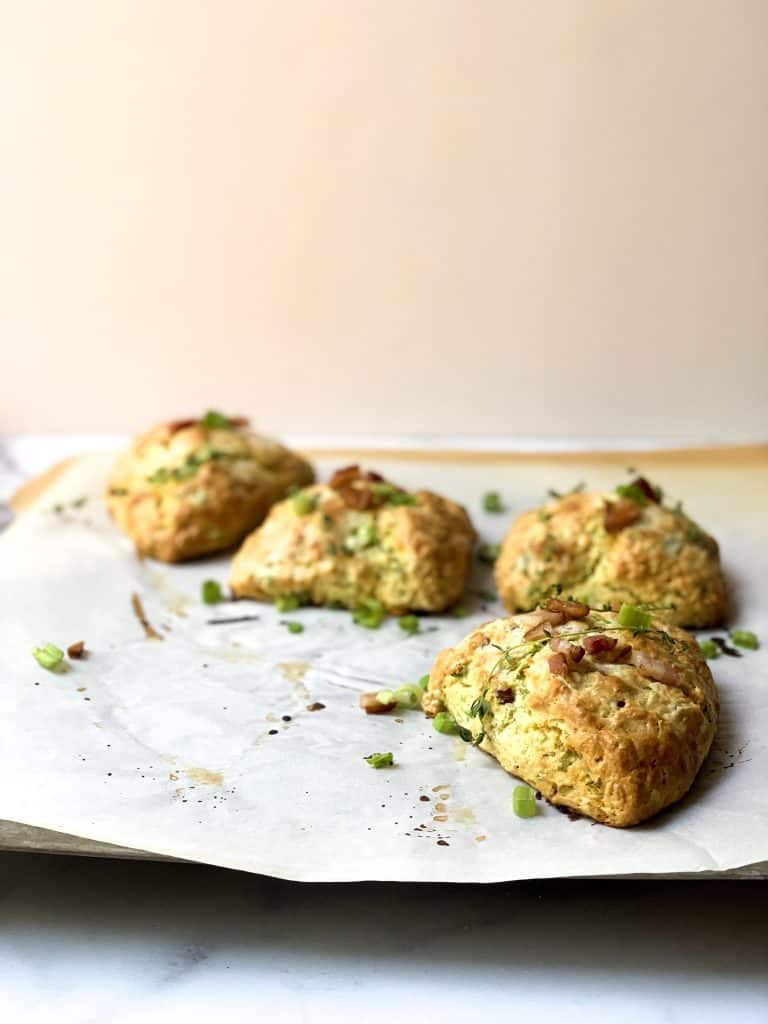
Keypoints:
pixel 86 940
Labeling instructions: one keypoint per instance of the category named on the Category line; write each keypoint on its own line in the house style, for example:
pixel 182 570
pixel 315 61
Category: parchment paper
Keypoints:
pixel 199 745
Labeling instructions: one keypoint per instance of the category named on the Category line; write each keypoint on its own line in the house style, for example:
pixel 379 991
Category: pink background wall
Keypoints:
pixel 501 217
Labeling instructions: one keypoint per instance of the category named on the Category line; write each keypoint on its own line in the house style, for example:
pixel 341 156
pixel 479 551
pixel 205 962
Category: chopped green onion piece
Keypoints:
pixel 524 802
pixel 49 656
pixel 459 612
pixel 409 624
pixel 211 591
pixel 486 595
pixel 287 603
pixel 386 697
pixel 408 696
pixel 424 681
pixel 380 760
pixel 364 536
pixel 709 649
pixel 745 638
pixel 369 613
pixel 492 502
pixel 633 492
pixel 488 553
pixel 215 421
pixel 391 493
pixel 402 498
pixel 303 503
pixel 630 617
pixel 445 723
pixel 294 627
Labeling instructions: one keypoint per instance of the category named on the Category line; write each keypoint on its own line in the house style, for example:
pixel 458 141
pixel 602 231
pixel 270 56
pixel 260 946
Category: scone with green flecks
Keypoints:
pixel 192 487
pixel 612 547
pixel 610 715
pixel 358 538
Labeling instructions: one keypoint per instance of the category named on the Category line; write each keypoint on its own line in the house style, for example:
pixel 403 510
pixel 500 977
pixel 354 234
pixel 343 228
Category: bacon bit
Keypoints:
pixel 539 620
pixel 607 646
pixel 505 696
pixel 598 644
pixel 642 484
pixel 353 486
pixel 76 650
pixel 622 652
pixel 352 474
pixel 372 706
pixel 316 706
pixel 570 609
pixel 239 421
pixel 175 425
pixel 573 653
pixel 558 666
pixel 618 514
pixel 658 671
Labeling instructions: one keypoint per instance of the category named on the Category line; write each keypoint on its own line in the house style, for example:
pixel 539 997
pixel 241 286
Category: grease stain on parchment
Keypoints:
pixel 204 776
pixel 175 602
pixel 294 672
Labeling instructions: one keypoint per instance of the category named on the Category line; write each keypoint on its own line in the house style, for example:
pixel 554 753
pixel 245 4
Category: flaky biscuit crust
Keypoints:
pixel 182 491
pixel 663 559
pixel 603 738
pixel 409 558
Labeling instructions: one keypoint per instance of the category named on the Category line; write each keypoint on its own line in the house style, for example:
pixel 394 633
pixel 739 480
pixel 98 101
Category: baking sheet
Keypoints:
pixel 179 746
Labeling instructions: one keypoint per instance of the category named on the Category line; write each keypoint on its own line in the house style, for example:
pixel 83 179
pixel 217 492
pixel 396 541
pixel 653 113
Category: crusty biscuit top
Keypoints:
pixel 607 549
pixel 191 487
pixel 359 537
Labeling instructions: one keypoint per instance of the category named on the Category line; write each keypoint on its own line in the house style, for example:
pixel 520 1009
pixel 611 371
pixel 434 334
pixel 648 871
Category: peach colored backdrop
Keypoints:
pixel 522 217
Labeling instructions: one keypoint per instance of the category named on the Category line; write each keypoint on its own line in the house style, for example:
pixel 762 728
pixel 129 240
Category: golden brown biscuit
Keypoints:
pixel 355 539
pixel 610 548
pixel 612 723
pixel 191 487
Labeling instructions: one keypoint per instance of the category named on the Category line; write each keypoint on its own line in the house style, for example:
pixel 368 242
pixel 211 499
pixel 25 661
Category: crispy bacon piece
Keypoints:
pixel 506 696
pixel 352 474
pixel 175 425
pixel 558 666
pixel 372 706
pixel 573 653
pixel 569 609
pixel 606 648
pixel 76 650
pixel 541 623
pixel 353 485
pixel 642 484
pixel 657 670
pixel 599 643
pixel 621 513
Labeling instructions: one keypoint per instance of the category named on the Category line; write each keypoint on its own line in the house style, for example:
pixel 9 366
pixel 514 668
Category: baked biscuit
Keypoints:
pixel 610 722
pixel 611 548
pixel 191 487
pixel 359 538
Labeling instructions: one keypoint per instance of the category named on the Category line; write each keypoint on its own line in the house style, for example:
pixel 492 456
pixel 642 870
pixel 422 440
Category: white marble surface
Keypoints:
pixel 104 941
pixel 93 942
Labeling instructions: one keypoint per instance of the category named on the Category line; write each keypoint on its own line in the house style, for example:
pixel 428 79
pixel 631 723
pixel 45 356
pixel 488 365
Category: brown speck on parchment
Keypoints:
pixel 77 650
pixel 138 610
pixel 317 706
